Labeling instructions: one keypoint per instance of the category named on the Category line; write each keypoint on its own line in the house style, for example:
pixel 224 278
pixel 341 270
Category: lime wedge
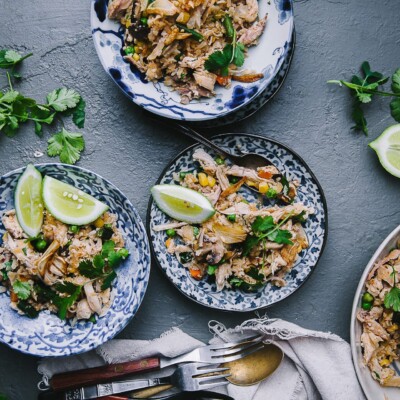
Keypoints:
pixel 182 204
pixel 69 204
pixel 28 201
pixel 387 147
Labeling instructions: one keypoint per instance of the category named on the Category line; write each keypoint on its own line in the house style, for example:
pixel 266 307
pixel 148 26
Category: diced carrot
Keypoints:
pixel 223 80
pixel 265 174
pixel 196 274
pixel 168 242
pixel 13 297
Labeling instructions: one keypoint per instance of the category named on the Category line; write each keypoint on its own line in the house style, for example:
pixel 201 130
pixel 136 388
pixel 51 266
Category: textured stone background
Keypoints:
pixel 333 38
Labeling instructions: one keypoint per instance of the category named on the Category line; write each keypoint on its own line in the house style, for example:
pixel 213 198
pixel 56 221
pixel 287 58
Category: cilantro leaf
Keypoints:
pixel 78 115
pixel 108 246
pixel 359 119
pixel 64 303
pixel 392 299
pixel 68 145
pixel 263 224
pixel 10 58
pixel 396 81
pixel 28 309
pixel 250 242
pixel 280 236
pixel 22 289
pixel 395 109
pixel 88 269
pixel 65 287
pixel 62 99
pixel 108 280
pixel 218 60
pixel 238 57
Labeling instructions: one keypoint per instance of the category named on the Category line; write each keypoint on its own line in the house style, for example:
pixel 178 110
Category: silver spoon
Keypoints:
pixel 248 160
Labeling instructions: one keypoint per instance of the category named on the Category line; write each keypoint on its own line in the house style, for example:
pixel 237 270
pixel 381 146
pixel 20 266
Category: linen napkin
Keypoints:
pixel 317 365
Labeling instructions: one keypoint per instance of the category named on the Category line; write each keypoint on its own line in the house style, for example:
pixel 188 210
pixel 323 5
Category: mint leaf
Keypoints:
pixel 68 145
pixel 22 289
pixel 62 99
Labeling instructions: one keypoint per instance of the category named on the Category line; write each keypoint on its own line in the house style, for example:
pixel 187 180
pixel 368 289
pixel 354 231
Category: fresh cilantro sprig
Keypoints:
pixel 9 59
pixel 392 298
pixel 365 87
pixel 264 228
pixel 22 289
pixel 103 265
pixel 16 109
pixel 233 53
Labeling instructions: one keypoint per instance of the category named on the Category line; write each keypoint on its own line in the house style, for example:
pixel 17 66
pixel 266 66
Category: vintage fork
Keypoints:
pixel 211 354
pixel 188 377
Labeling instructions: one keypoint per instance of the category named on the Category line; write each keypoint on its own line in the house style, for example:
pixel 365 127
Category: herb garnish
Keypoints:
pixel 265 228
pixel 102 266
pixel 232 53
pixel 392 298
pixel 16 109
pixel 365 87
pixel 22 289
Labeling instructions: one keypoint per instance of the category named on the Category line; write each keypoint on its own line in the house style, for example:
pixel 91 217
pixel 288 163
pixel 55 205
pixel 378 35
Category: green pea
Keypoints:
pixel 368 298
pixel 40 244
pixel 234 179
pixel 74 228
pixel 143 20
pixel 124 252
pixel 211 269
pixel 129 50
pixel 231 217
pixel 182 175
pixel 271 193
pixel 171 232
pixel 219 161
pixel 366 305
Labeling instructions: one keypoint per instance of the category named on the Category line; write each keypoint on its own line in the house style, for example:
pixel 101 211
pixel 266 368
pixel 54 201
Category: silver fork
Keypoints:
pixel 187 377
pixel 210 354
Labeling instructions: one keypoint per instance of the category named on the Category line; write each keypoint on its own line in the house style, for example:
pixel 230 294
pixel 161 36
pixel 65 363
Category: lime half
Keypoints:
pixel 69 204
pixel 387 146
pixel 28 201
pixel 182 204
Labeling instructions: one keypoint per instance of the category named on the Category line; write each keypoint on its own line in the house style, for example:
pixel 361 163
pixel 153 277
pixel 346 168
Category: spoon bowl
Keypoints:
pixel 256 367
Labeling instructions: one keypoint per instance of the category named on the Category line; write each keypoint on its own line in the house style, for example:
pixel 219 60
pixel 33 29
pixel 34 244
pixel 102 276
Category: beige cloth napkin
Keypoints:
pixel 317 365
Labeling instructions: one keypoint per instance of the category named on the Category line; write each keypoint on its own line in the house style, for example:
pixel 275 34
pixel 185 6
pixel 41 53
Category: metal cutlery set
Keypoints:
pixel 198 370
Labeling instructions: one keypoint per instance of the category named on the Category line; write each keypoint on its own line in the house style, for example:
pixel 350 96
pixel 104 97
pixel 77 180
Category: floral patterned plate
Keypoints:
pixel 267 57
pixel 310 193
pixel 47 335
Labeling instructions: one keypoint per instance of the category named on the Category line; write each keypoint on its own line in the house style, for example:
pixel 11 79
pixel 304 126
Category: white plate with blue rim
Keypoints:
pixel 47 335
pixel 372 389
pixel 310 193
pixel 267 57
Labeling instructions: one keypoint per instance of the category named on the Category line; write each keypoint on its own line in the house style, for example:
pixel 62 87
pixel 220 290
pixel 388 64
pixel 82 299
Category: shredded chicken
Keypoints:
pixel 223 247
pixel 380 325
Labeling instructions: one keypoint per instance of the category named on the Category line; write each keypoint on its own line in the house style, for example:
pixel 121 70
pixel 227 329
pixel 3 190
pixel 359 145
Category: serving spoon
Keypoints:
pixel 247 160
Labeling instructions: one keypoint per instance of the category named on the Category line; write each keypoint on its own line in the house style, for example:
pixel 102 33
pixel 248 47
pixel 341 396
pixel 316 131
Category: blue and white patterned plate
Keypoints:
pixel 267 57
pixel 310 193
pixel 47 335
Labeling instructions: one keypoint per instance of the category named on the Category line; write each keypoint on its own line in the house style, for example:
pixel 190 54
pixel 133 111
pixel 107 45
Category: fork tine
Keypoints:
pixel 221 346
pixel 202 379
pixel 243 354
pixel 236 349
pixel 209 369
pixel 205 386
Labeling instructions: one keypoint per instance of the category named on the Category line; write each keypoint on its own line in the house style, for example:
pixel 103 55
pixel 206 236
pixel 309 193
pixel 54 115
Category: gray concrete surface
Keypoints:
pixel 333 38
